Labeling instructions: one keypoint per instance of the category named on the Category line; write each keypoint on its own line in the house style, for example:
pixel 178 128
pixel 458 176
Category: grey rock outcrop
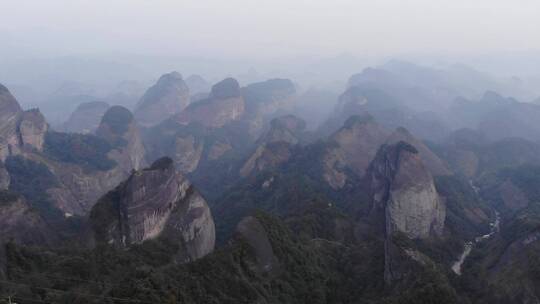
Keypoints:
pixel 170 95
pixel 118 127
pixel 274 147
pixel 225 104
pixel 354 146
pixel 32 129
pixel 18 128
pixel 10 113
pixel 86 118
pixel 156 202
pixel 266 100
pixel 402 189
pixel 432 162
pixel 197 84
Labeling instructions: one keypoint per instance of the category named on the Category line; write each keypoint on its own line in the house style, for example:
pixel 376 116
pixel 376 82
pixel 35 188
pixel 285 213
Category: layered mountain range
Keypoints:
pixel 421 186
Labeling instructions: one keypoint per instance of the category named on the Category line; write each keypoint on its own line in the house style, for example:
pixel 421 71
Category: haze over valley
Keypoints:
pixel 270 152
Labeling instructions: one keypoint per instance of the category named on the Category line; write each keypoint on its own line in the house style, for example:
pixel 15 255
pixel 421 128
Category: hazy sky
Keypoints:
pixel 269 28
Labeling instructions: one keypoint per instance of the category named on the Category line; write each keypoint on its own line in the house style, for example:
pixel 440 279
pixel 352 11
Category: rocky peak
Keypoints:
pixel 269 91
pixel 157 202
pixel 227 88
pixel 432 162
pixel 353 146
pixel 168 96
pixel 402 190
pixel 264 100
pixel 32 129
pixel 197 84
pixel 225 104
pixel 274 147
pixel 285 128
pixel 10 113
pixel 115 122
pixel 86 118
pixel 119 129
pixel 8 103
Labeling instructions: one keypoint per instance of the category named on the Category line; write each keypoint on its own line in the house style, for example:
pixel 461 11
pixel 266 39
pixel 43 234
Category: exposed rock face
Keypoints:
pixel 225 104
pixel 10 113
pixel 197 84
pixel 275 146
pixel 156 202
pixel 119 128
pixel 354 146
pixel 264 101
pixel 286 129
pixel 432 162
pixel 79 189
pixel 218 149
pixel 188 153
pixel 267 156
pixel 19 129
pixel 252 231
pixel 170 95
pixel 86 118
pixel 403 190
pixel 32 129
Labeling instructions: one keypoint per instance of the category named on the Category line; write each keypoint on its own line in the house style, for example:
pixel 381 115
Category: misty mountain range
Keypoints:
pixel 397 183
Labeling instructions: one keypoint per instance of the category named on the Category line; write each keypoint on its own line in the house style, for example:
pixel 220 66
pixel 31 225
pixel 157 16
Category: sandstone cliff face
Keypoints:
pixel 265 100
pixel 274 147
pixel 225 104
pixel 10 113
pixel 432 162
pixel 403 190
pixel 156 202
pixel 197 84
pixel 19 129
pixel 170 95
pixel 32 129
pixel 86 118
pixel 80 188
pixel 118 127
pixel 188 153
pixel 353 146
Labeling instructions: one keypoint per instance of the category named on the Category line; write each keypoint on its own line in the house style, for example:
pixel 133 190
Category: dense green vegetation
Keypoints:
pixel 32 180
pixel 118 119
pixel 86 150
pixel 310 269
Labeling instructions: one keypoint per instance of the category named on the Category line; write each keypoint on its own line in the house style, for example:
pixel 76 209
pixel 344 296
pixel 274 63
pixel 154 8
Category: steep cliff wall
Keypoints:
pixel 156 202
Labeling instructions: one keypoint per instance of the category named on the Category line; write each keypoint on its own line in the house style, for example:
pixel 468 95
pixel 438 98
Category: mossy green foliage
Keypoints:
pixel 88 151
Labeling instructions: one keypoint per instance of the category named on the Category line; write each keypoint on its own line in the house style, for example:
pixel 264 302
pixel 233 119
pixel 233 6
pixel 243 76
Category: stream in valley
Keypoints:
pixel 494 228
